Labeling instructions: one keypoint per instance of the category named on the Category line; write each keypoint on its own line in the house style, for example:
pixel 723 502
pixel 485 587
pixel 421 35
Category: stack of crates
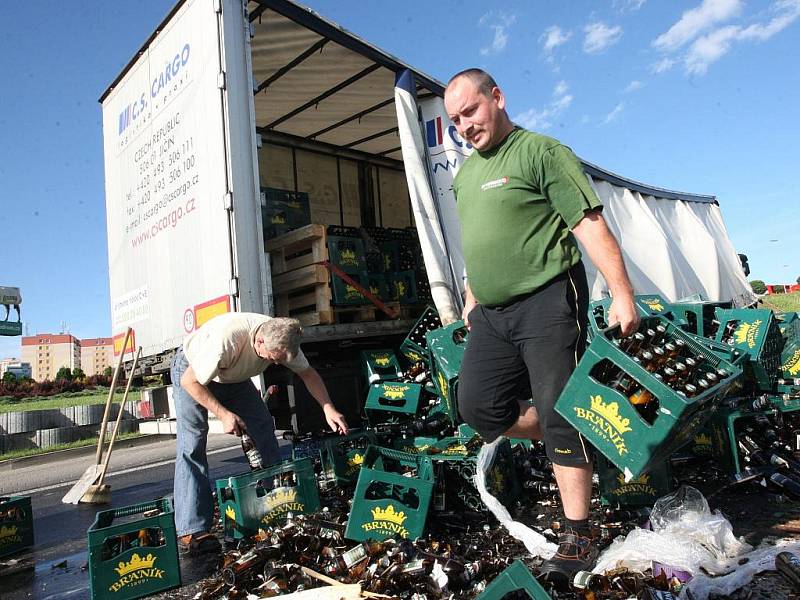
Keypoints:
pixel 264 497
pixel 16 524
pixel 283 211
pixel 392 496
pixel 133 551
pixel 648 305
pixel 636 441
pixel 347 252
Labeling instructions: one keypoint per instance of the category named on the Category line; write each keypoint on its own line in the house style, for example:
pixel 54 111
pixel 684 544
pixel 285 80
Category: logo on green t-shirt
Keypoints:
pixel 496 183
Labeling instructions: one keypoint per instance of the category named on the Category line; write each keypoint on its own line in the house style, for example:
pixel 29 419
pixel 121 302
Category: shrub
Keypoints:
pixel 758 286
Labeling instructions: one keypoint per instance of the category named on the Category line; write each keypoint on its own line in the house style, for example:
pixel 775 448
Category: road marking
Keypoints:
pixel 122 472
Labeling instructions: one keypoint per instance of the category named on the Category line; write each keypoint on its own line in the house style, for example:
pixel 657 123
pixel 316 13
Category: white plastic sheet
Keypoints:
pixel 686 535
pixel 535 542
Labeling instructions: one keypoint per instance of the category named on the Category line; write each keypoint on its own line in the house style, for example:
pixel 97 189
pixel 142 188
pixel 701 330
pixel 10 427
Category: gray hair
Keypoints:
pixel 482 81
pixel 281 333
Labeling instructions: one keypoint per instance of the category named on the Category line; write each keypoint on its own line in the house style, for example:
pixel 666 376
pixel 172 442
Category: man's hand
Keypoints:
pixel 623 312
pixel 335 419
pixel 231 423
pixel 469 303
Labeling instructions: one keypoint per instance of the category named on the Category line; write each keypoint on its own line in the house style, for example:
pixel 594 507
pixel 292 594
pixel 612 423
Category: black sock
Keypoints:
pixel 581 527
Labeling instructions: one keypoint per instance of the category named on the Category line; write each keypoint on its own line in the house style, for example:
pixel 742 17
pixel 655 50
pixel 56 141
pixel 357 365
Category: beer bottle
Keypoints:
pixel 782 381
pixel 632 344
pixel 690 390
pixel 622 383
pixel 640 396
pixel 251 452
pixel 788 565
pixel 671 350
pixel 659 357
pixel 244 568
pixel 786 483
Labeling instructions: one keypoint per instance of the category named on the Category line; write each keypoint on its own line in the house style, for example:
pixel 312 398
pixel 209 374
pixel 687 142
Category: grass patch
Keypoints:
pixel 782 302
pixel 98 396
pixel 78 444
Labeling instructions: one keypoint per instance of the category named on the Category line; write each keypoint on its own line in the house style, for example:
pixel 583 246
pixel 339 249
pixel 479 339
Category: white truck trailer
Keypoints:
pixel 227 96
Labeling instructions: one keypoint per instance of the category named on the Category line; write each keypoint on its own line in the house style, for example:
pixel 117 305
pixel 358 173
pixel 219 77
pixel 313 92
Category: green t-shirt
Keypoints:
pixel 517 203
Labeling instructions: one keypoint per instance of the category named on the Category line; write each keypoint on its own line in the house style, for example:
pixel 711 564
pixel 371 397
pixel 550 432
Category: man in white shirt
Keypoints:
pixel 212 372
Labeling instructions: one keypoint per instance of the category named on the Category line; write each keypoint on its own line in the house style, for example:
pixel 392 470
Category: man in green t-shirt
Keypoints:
pixel 522 200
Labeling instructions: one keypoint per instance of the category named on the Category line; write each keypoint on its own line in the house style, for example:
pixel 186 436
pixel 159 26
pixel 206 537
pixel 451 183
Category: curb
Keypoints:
pixel 12 464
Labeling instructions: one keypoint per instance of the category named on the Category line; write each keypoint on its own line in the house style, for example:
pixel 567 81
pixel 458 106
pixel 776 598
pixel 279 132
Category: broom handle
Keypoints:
pixel 101 439
pixel 119 417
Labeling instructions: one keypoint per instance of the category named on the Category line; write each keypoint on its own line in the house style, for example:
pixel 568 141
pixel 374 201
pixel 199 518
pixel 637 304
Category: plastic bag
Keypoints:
pixel 534 542
pixel 763 559
pixel 686 535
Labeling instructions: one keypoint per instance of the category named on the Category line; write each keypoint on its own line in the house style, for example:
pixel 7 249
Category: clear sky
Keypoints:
pixel 694 95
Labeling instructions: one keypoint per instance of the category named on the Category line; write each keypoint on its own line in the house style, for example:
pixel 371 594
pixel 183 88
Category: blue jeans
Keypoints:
pixel 194 505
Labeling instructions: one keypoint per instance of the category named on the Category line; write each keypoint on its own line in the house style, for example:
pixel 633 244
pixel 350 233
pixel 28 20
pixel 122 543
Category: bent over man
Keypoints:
pixel 522 200
pixel 212 372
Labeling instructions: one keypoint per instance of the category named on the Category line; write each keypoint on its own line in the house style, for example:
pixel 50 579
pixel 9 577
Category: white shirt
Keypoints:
pixel 222 349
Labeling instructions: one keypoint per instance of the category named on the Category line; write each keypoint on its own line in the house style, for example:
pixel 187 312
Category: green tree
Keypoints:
pixel 108 371
pixel 758 286
pixel 9 377
pixel 64 373
pixel 78 374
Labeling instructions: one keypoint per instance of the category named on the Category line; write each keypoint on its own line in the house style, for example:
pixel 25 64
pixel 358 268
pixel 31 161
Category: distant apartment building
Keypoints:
pixel 48 352
pixel 97 354
pixel 14 366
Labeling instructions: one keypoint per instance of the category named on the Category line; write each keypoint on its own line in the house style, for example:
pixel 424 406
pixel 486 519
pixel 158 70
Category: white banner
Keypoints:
pixel 168 235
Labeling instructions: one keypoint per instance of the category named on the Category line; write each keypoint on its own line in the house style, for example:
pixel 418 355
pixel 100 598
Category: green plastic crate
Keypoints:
pixel 459 455
pixel 378 286
pixel 415 347
pixel 648 305
pixel 390 256
pixel 342 456
pixel 446 346
pixel 120 566
pixel 414 445
pixel 698 318
pixel 402 286
pixel 261 498
pixel 380 365
pixel 790 359
pixel 643 490
pixel 756 332
pixel 347 253
pixel 515 582
pixel 391 399
pixel 16 524
pixel 345 294
pixel 726 424
pixel 392 496
pixel 613 425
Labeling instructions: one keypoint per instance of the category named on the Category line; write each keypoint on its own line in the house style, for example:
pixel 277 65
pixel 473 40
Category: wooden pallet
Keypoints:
pixel 299 248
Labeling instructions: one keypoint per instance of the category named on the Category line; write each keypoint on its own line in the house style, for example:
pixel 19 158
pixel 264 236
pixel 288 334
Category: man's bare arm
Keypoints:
pixel 603 249
pixel 231 422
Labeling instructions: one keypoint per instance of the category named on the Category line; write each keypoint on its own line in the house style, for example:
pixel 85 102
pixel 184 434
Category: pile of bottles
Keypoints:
pixel 767 444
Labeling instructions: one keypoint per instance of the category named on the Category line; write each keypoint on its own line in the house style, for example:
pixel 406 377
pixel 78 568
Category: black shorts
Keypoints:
pixel 522 350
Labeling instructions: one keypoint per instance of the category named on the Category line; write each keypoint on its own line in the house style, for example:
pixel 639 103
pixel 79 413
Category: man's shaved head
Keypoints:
pixel 482 81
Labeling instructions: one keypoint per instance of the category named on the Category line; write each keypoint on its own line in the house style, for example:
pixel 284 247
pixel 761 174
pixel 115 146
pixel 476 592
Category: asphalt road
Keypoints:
pixel 56 566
